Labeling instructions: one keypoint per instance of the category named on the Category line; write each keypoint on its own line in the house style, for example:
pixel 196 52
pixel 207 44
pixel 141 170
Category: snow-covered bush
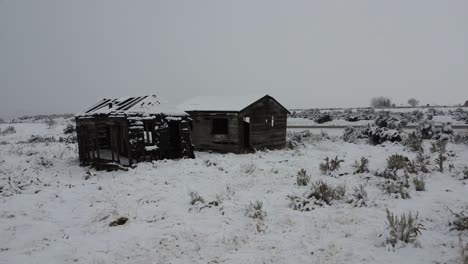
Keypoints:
pixel 397 162
pixel 387 174
pixel 330 165
pixel 323 119
pixel 302 179
pixel 361 166
pixel 420 164
pixel 426 129
pixel 196 198
pixel 461 221
pixel 69 129
pixel 465 173
pixel 296 139
pixel 320 193
pixel 460 138
pixel 353 134
pixel 414 142
pixel 255 210
pixel 440 147
pixel 8 130
pixel 359 196
pixel 404 229
pixel 419 184
pixel 396 189
pixel 50 122
pixel 39 139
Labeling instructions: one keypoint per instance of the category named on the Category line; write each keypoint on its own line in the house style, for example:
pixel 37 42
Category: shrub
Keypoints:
pixel 323 192
pixel 397 162
pixel 50 122
pixel 419 184
pixel 359 196
pixel 2 121
pixel 353 134
pixel 465 173
pixel 323 119
pixel 8 130
pixel 426 129
pixel 378 135
pixel 302 178
pixel 414 142
pixel 461 221
pixel 196 198
pixel 397 188
pixel 405 229
pixel 255 210
pixel 330 165
pixel 361 166
pixel 387 174
pixel 319 194
pixel 70 129
pixel 440 147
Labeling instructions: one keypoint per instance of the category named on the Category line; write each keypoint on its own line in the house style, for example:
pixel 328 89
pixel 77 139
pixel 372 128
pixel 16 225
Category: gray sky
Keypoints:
pixel 63 55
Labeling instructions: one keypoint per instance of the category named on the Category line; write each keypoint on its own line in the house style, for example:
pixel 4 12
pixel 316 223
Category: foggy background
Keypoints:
pixel 63 56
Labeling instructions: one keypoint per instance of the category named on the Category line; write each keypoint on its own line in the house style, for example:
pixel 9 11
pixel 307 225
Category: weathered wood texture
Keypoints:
pixel 204 139
pixel 268 121
pixel 129 139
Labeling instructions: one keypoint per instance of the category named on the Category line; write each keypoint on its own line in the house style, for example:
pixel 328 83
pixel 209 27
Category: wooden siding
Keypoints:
pixel 203 139
pixel 126 140
pixel 262 133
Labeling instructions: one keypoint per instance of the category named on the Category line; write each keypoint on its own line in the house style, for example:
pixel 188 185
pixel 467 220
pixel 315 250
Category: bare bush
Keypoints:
pixel 361 166
pixel 302 179
pixel 330 165
pixel 405 229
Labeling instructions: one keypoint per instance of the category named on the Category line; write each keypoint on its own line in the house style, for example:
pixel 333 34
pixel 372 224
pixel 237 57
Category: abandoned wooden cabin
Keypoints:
pixel 128 130
pixel 237 124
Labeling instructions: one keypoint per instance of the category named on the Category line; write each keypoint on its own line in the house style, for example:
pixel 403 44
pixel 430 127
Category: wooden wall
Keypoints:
pixel 203 139
pixel 127 140
pixel 262 133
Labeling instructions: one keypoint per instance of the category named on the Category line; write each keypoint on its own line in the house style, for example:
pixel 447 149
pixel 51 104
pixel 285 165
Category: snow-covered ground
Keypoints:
pixel 54 211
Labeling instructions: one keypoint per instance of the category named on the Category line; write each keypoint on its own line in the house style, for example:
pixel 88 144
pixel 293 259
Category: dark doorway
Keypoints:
pixel 174 135
pixel 246 135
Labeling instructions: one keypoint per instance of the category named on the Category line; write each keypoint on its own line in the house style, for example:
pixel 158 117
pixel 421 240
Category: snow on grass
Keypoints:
pixel 60 213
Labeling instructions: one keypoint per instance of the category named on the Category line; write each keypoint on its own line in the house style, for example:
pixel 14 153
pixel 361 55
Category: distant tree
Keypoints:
pixel 381 102
pixel 2 121
pixel 413 102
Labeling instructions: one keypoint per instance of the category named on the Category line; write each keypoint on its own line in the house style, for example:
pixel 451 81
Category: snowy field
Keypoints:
pixel 54 211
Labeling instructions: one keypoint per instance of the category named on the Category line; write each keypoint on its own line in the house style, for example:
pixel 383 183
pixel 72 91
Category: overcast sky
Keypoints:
pixel 62 56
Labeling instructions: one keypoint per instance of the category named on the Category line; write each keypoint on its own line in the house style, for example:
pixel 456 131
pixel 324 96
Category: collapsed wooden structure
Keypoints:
pixel 127 130
pixel 237 124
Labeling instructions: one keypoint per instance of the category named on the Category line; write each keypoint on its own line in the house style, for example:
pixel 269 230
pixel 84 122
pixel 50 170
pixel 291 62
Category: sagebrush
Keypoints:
pixel 405 229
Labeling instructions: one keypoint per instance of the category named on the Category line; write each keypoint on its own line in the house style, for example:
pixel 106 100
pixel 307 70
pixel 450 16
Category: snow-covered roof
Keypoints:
pixel 148 104
pixel 220 103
